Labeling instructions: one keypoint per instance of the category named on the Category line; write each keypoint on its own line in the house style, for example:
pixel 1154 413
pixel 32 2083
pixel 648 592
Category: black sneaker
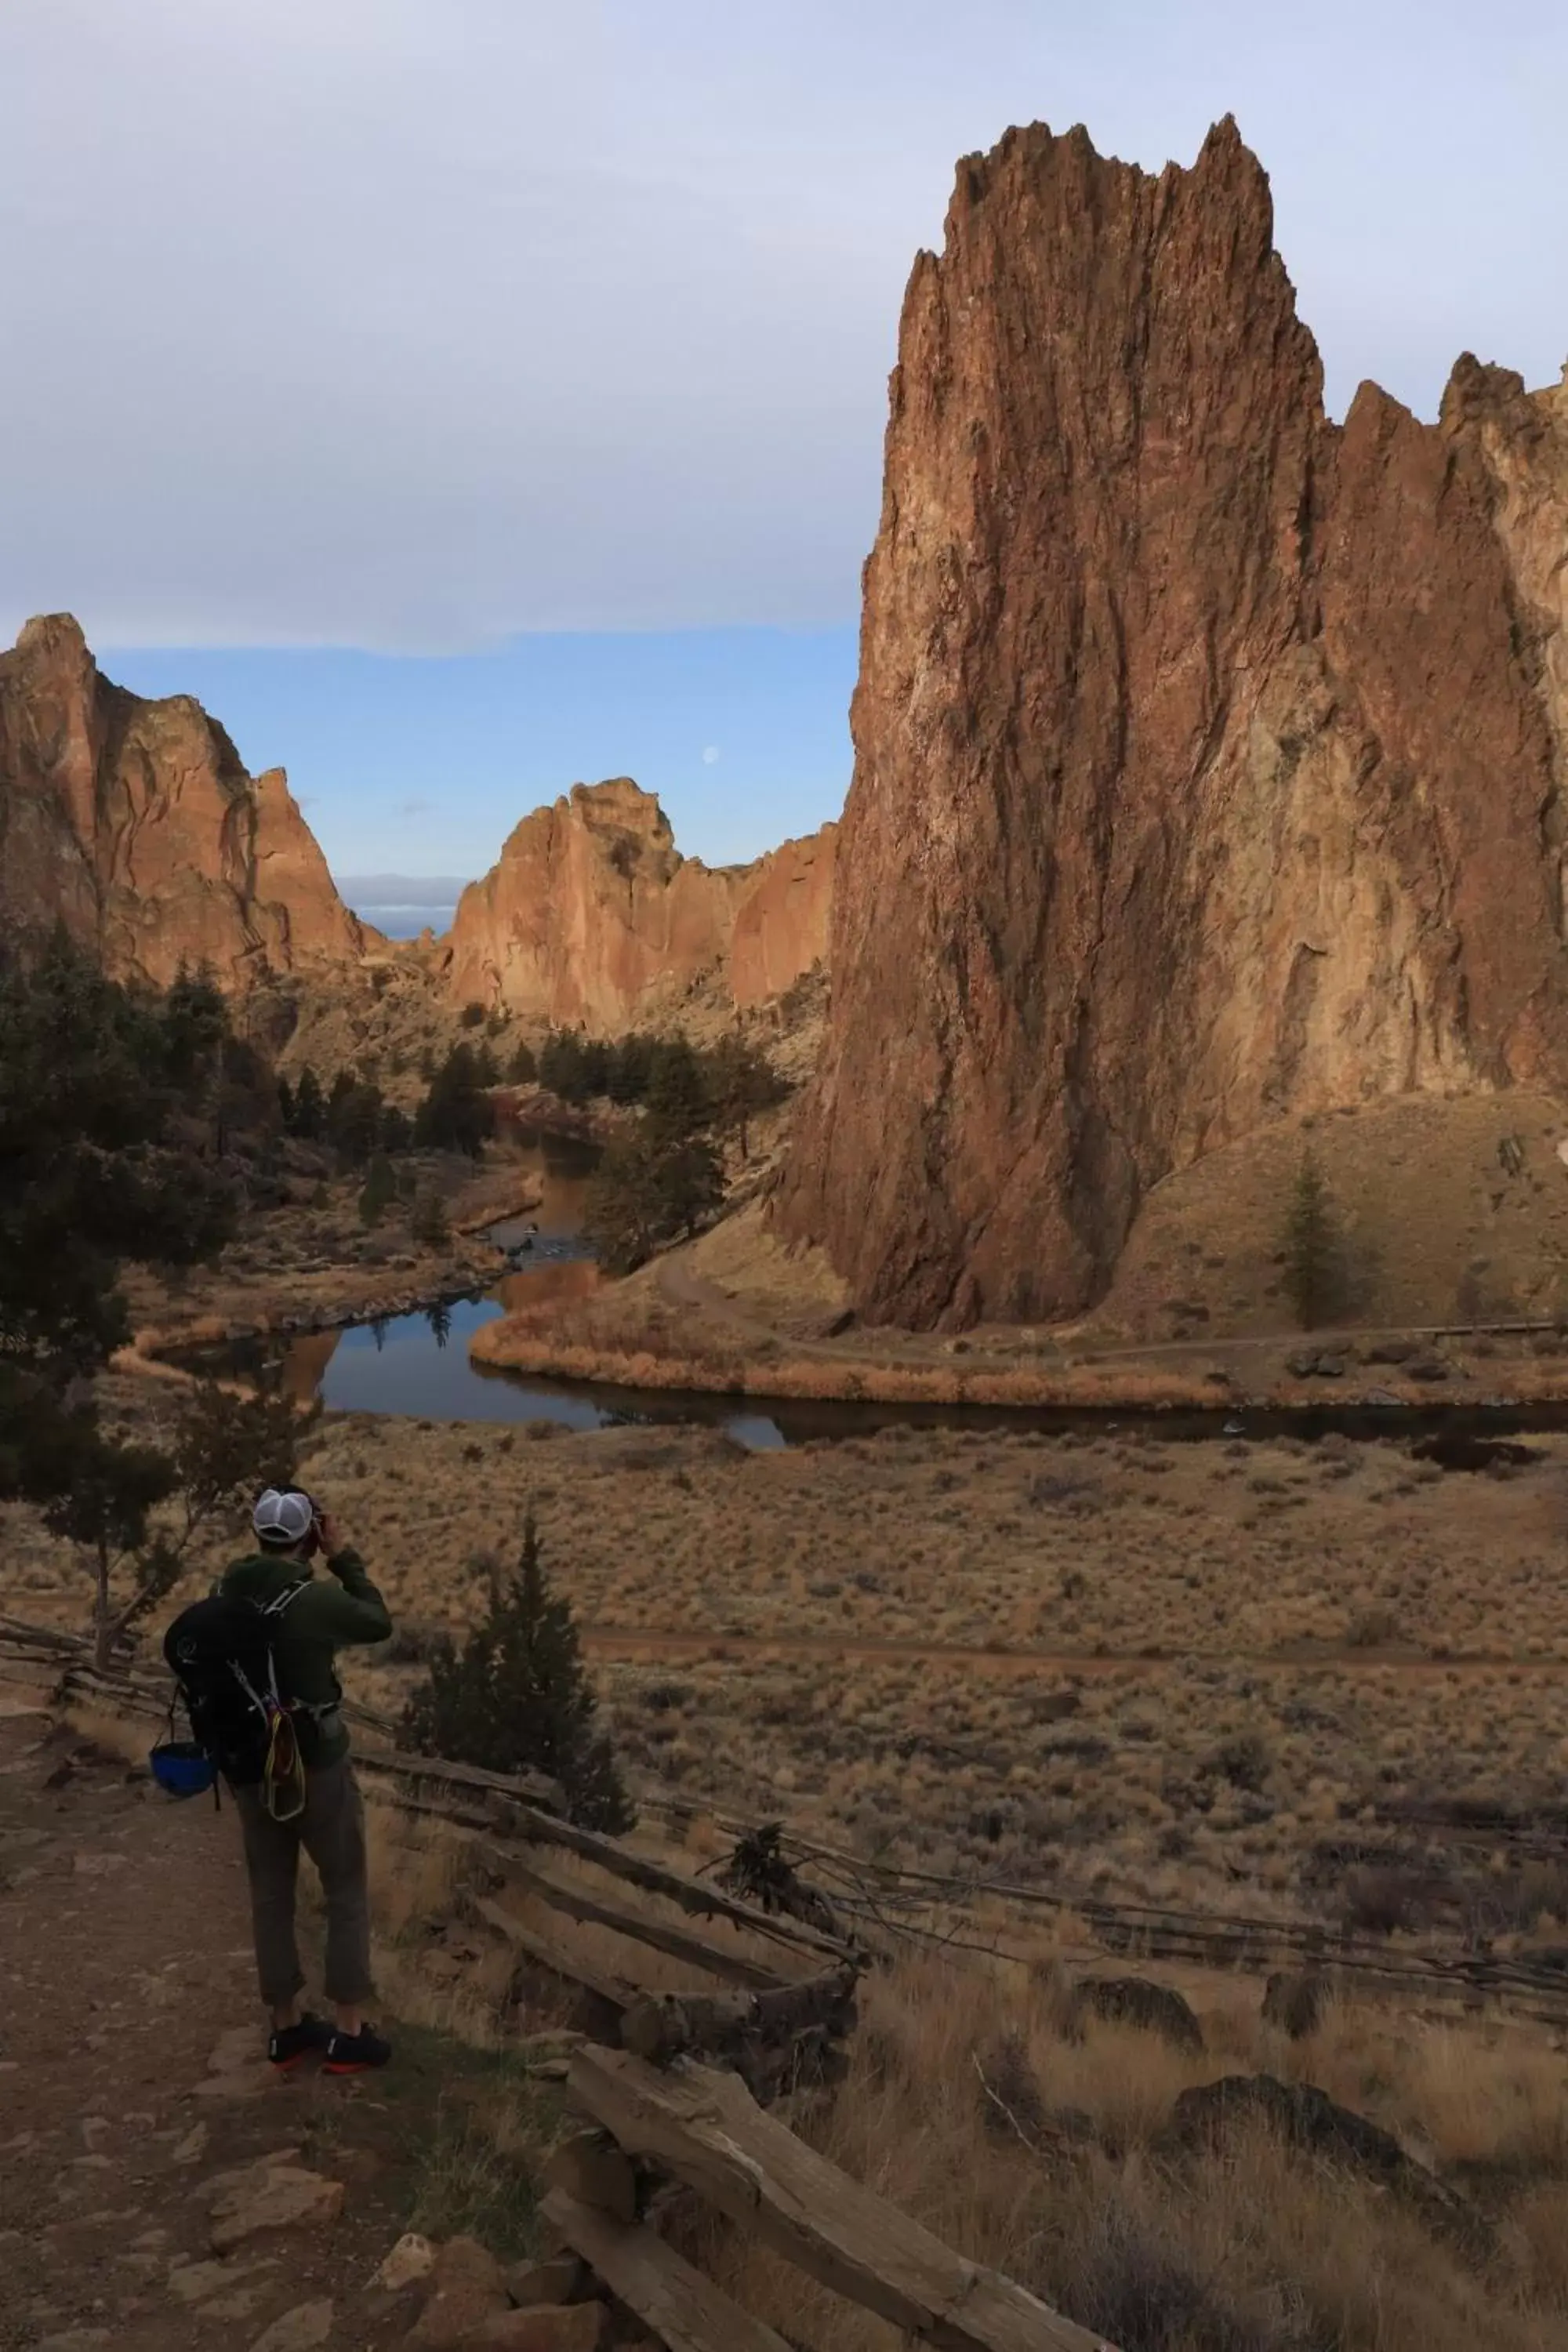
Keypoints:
pixel 355 2053
pixel 291 2043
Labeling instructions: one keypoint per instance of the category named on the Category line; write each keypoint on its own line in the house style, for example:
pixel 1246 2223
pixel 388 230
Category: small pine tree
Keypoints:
pixel 1313 1248
pixel 429 1223
pixel 396 1130
pixel 679 1103
pixel 742 1082
pixel 517 1698
pixel 379 1192
pixel 309 1107
pixel 648 1190
pixel 563 1065
pixel 456 1113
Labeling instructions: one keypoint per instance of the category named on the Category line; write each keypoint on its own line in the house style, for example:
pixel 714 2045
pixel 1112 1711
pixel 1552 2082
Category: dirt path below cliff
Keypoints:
pixel 996 1347
pixel 131 2075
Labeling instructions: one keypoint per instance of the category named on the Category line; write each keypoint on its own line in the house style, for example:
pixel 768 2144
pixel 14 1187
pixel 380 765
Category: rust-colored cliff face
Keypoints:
pixel 1208 756
pixel 782 917
pixel 592 918
pixel 134 822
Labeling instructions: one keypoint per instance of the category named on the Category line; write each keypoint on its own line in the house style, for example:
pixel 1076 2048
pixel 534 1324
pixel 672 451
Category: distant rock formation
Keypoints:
pixel 782 917
pixel 592 918
pixel 1209 757
pixel 135 824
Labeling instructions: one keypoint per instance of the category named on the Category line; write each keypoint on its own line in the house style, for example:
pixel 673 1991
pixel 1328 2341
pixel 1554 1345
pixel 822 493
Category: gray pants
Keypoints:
pixel 332 1831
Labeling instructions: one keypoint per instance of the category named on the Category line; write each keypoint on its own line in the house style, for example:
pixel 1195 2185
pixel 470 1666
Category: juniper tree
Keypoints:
pixel 456 1113
pixel 429 1223
pixel 741 1083
pixel 1314 1248
pixel 95 1166
pixel 648 1189
pixel 309 1117
pixel 225 1448
pixel 517 1698
pixel 378 1192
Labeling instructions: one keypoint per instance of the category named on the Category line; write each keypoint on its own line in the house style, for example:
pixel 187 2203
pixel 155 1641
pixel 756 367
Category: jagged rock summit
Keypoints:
pixel 1209 755
pixel 593 918
pixel 135 824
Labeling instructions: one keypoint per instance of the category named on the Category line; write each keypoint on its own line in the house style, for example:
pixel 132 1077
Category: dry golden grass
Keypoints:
pixel 637 1341
pixel 977 2104
pixel 1153 1673
pixel 1107 1667
pixel 1254 2251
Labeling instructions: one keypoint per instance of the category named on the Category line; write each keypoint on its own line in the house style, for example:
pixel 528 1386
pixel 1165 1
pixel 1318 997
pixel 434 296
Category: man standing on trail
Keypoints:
pixel 309 1619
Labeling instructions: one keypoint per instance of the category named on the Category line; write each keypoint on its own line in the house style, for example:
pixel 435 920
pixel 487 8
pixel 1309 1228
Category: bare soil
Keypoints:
pixel 134 2070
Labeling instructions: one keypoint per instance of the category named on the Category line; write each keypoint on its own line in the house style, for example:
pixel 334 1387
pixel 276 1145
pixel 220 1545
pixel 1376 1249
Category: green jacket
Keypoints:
pixel 329 1615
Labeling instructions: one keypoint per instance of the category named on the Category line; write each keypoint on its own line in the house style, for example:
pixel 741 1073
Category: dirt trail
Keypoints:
pixel 634 1642
pixel 132 2073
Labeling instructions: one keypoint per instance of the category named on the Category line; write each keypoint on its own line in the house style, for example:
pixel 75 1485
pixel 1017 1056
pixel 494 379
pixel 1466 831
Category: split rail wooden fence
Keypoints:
pixel 673 2087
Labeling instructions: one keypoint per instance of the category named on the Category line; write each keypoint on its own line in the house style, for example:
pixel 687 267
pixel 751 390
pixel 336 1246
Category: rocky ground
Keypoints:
pixel 162 2191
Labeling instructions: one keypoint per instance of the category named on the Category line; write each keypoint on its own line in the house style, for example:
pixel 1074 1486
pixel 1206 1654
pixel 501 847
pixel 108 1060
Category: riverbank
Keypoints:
pixel 312 1268
pixel 689 1339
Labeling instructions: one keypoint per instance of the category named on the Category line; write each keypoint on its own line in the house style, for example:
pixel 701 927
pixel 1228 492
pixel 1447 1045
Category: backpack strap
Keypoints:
pixel 280 1600
pixel 318 1709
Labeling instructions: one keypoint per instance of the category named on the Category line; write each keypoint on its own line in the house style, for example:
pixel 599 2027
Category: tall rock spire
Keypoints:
pixel 1206 754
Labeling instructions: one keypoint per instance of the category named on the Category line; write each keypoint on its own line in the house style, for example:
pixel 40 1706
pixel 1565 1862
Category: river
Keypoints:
pixel 418 1365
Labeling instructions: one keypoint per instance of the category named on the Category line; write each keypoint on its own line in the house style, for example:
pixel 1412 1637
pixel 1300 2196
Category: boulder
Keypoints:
pixel 411 2260
pixel 563 2279
pixel 467 2288
pixel 1295 2001
pixel 1133 2001
pixel 193 2283
pixel 575 2327
pixel 1307 2119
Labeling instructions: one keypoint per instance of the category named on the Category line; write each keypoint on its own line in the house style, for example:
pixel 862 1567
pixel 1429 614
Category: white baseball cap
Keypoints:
pixel 283 1516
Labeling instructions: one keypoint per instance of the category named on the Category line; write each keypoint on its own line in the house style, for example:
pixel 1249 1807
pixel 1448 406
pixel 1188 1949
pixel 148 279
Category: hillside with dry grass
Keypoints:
pixel 1453 1210
pixel 1157 1672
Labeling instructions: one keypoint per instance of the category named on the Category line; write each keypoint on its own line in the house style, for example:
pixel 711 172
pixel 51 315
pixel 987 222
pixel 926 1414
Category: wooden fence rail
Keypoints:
pixel 704 2129
pixel 894 1898
pixel 775 2022
pixel 675 2085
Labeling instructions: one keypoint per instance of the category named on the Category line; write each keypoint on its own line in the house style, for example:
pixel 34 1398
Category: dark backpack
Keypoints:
pixel 220 1651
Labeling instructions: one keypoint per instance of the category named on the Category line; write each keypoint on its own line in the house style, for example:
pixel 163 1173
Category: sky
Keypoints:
pixel 468 396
